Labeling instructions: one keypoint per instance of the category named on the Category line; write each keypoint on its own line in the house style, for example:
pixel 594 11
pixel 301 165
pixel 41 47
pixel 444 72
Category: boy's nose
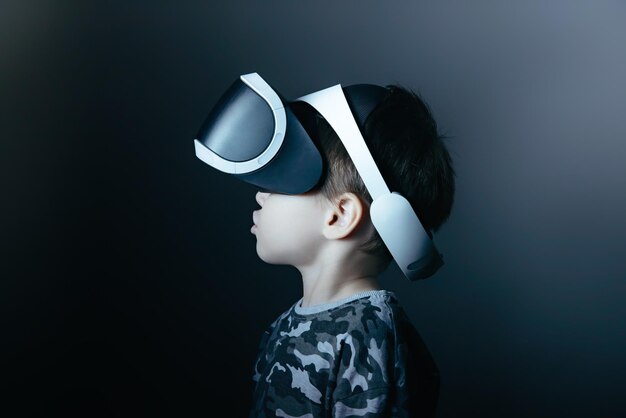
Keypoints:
pixel 260 197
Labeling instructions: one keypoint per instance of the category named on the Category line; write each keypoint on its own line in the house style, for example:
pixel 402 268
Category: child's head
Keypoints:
pixel 402 137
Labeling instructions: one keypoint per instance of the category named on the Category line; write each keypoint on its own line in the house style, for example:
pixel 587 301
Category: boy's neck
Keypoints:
pixel 330 285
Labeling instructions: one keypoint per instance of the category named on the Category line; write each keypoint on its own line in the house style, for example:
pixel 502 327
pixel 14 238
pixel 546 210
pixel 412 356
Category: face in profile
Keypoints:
pixel 288 228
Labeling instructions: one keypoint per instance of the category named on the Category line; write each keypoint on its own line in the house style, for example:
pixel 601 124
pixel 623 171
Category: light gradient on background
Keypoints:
pixel 131 285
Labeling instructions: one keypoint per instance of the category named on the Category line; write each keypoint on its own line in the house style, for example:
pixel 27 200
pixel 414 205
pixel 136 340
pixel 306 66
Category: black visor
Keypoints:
pixel 253 134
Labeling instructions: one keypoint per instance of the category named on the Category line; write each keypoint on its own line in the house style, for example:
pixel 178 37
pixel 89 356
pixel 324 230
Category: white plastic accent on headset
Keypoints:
pixel 256 83
pixel 332 105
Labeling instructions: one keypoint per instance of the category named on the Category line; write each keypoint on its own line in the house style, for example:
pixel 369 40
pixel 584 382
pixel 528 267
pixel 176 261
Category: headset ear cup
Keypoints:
pixel 405 237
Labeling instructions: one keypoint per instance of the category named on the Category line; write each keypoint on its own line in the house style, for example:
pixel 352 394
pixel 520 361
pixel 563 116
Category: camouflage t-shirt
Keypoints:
pixel 360 357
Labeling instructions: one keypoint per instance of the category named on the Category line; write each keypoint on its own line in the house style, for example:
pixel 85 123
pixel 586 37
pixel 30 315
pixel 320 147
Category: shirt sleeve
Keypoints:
pixel 369 404
pixel 365 373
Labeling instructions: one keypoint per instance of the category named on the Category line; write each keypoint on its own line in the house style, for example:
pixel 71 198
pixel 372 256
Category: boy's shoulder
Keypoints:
pixel 373 309
pixel 366 313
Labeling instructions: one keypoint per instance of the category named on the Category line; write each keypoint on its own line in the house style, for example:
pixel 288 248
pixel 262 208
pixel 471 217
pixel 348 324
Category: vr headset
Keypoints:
pixel 254 134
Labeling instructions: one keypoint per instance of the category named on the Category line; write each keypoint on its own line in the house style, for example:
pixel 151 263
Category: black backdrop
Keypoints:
pixel 130 284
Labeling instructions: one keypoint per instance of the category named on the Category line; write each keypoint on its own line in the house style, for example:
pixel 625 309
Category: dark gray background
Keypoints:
pixel 130 281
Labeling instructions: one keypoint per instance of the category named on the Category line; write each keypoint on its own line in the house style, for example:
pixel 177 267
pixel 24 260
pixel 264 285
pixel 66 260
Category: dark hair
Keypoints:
pixel 402 137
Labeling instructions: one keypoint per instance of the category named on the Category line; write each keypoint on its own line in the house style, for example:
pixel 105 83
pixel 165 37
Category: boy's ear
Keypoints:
pixel 343 216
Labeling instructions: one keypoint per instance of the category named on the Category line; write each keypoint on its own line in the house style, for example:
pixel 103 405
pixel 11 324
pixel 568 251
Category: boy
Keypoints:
pixel 347 348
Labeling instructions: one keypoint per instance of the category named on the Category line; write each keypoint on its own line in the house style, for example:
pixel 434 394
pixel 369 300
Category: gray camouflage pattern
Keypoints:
pixel 360 359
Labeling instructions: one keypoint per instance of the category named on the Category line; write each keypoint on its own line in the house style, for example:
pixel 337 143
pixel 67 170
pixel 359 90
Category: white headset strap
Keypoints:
pixel 331 103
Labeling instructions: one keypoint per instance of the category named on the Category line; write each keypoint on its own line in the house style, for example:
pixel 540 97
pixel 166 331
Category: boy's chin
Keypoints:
pixel 268 257
pixel 263 255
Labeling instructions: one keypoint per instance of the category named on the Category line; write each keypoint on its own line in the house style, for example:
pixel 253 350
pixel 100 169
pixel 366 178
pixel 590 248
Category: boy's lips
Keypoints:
pixel 254 220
